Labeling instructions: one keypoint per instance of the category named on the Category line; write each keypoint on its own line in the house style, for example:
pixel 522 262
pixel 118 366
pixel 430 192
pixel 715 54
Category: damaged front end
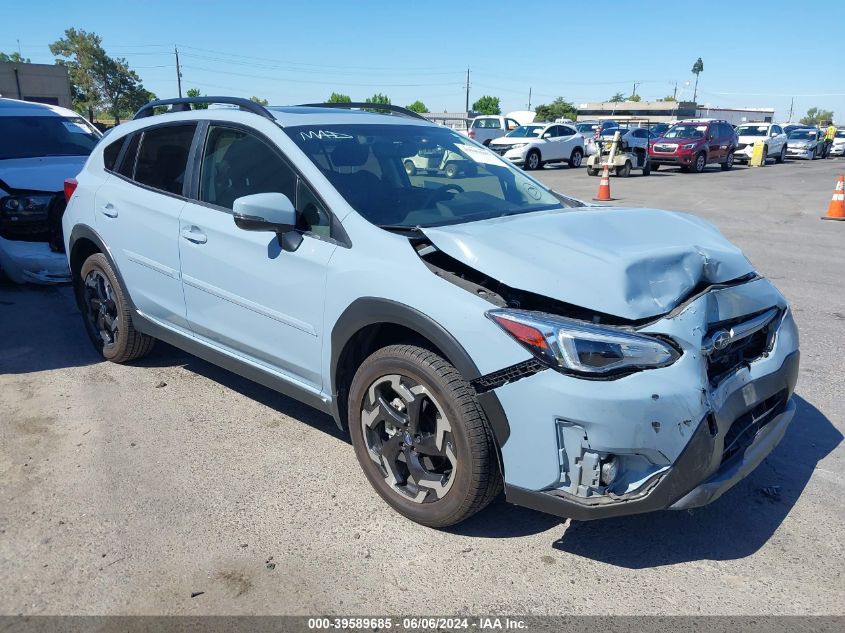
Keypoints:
pixel 31 240
pixel 664 398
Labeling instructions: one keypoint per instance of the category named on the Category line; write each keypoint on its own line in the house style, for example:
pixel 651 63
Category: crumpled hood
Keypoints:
pixel 631 263
pixel 45 173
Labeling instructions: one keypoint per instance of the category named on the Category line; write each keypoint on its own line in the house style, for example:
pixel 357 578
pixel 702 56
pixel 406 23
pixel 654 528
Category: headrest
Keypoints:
pixel 350 154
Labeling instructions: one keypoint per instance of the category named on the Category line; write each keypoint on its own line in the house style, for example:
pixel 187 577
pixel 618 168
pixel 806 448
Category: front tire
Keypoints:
pixel 421 437
pixel 106 313
pixel 782 156
pixel 699 163
pixel 625 170
pixel 532 160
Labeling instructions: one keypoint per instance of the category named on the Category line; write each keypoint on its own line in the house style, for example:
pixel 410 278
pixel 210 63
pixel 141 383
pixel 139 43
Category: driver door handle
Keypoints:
pixel 194 234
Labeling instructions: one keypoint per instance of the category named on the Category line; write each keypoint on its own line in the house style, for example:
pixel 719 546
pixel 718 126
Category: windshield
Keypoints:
pixel 526 130
pixel 840 133
pixel 686 131
pixel 418 175
pixel 33 136
pixel 487 123
pixel 586 127
pixel 806 135
pixel 752 130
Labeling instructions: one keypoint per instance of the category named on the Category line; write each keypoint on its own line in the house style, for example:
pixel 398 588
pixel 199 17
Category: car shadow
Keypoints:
pixel 164 355
pixel 41 330
pixel 734 526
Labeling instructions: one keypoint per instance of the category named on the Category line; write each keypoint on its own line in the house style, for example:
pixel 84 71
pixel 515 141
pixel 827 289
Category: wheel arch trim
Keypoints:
pixel 369 311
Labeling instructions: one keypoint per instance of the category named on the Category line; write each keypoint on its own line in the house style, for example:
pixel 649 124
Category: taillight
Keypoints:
pixel 472 133
pixel 70 187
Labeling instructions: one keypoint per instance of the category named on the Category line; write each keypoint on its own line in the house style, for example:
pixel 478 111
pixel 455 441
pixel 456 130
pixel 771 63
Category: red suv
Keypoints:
pixel 694 144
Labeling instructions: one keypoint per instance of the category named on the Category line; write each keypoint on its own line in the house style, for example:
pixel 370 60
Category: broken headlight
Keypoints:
pixel 26 208
pixel 583 348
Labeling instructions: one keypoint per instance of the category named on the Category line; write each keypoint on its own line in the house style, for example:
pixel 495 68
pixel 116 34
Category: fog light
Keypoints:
pixel 609 470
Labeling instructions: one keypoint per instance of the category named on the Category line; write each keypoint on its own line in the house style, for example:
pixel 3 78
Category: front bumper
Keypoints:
pixel 675 435
pixel 806 154
pixel 32 262
pixel 671 159
pixel 516 156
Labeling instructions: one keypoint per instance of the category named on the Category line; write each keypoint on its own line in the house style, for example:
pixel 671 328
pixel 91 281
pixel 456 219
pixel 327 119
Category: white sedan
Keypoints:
pixel 536 144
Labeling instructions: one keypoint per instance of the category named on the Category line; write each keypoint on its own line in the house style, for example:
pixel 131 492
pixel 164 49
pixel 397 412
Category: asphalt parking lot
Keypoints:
pixel 126 489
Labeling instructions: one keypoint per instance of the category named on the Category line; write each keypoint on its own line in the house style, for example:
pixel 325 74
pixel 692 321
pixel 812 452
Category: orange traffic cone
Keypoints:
pixel 836 208
pixel 603 194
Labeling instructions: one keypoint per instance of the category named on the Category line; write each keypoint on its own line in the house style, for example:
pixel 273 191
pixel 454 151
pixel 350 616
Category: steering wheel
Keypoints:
pixel 439 192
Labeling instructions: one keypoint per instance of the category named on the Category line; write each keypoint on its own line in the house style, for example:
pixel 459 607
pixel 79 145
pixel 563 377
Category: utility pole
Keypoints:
pixel 19 47
pixel 178 72
pixel 636 83
pixel 529 98
pixel 791 103
pixel 467 87
pixel 675 93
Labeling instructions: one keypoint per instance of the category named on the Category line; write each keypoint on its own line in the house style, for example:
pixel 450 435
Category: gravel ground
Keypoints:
pixel 126 489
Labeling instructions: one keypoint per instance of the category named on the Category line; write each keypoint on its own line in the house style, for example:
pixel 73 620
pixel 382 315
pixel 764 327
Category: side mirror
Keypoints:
pixel 273 212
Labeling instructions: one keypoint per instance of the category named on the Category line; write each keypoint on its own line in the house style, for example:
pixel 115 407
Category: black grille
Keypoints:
pixel 508 374
pixel 722 362
pixel 499 149
pixel 745 428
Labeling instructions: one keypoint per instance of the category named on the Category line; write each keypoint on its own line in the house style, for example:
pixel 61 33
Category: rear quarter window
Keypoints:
pixel 111 152
pixel 127 163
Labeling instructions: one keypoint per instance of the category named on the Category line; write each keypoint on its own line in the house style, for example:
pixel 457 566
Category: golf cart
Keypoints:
pixel 622 150
pixel 436 162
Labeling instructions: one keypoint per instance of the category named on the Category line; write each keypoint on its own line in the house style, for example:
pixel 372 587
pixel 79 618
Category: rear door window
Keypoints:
pixel 163 157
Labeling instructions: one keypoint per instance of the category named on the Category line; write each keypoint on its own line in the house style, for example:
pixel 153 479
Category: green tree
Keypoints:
pixel 378 98
pixel 417 106
pixel 560 108
pixel 81 52
pixel 97 80
pixel 617 98
pixel 668 98
pixel 487 105
pixel 337 97
pixel 817 116
pixel 15 57
pixel 259 100
pixel 697 69
pixel 634 98
pixel 195 92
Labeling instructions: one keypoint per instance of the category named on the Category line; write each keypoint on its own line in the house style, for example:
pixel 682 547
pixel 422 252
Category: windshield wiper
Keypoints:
pixel 400 228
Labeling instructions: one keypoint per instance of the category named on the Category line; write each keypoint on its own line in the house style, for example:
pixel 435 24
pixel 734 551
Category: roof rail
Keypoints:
pixel 368 106
pixel 184 103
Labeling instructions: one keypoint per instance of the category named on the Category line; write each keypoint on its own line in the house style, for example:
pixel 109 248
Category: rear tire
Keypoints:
pixel 108 320
pixel 410 168
pixel 575 158
pixel 647 168
pixel 729 162
pixel 654 166
pixel 592 172
pixel 403 400
pixel 782 156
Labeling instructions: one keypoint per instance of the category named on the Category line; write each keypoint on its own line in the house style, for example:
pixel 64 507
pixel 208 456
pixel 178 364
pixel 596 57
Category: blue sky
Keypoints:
pixel 294 52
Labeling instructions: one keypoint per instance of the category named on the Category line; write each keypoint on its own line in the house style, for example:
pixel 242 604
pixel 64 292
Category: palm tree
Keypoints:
pixel 697 68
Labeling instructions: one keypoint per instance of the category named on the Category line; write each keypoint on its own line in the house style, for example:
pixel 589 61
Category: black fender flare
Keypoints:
pixel 367 311
pixel 83 231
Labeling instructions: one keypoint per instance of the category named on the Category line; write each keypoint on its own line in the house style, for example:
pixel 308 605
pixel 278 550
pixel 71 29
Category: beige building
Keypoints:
pixel 668 112
pixel 42 83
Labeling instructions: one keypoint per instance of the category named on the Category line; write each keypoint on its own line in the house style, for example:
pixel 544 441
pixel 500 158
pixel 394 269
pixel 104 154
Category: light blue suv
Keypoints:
pixel 469 332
